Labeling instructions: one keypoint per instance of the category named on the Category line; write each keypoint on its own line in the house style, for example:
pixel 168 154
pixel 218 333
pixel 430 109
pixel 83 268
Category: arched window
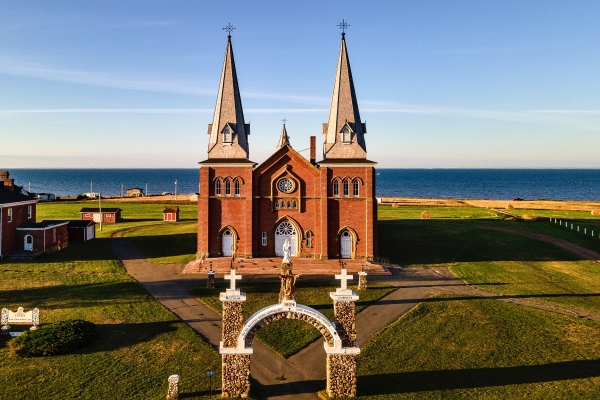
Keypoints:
pixel 227 187
pixel 346 135
pixel 264 238
pixel 308 239
pixel 294 205
pixel 336 188
pixel 236 188
pixel 346 188
pixel 276 205
pixel 227 135
pixel 218 187
pixel 289 205
pixel 356 188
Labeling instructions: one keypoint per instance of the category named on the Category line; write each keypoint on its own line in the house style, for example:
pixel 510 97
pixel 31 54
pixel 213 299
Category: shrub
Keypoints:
pixel 58 338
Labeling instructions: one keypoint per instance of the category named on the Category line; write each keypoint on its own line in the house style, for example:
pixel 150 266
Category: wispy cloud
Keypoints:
pixel 110 111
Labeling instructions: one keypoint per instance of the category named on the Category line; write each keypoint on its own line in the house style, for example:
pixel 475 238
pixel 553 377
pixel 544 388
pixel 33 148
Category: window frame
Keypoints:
pixel 264 238
pixel 309 239
pixel 346 135
pixel 227 187
pixel 29 212
pixel 9 215
pixel 356 190
pixel 346 188
pixel 227 135
pixel 218 187
pixel 236 188
pixel 336 188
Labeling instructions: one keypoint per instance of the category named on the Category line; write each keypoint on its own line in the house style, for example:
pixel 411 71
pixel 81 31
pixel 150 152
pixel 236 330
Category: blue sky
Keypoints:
pixel 465 84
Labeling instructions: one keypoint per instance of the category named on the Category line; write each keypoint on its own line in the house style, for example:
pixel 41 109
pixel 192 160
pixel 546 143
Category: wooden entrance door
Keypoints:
pixel 286 231
pixel 346 245
pixel 227 243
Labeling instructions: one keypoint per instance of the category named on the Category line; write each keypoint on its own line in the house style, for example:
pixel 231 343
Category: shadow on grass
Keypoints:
pixel 158 246
pixel 407 382
pixel 260 391
pixel 73 295
pixel 439 242
pixel 97 249
pixel 493 297
pixel 116 336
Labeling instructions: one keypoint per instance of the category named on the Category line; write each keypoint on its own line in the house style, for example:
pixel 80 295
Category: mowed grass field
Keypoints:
pixel 447 347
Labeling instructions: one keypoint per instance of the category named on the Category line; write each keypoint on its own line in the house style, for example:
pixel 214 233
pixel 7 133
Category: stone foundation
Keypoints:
pixel 236 374
pixel 362 281
pixel 345 322
pixel 341 375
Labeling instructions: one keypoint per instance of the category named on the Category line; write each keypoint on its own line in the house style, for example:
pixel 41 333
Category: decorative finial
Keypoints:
pixel 284 120
pixel 343 26
pixel 229 28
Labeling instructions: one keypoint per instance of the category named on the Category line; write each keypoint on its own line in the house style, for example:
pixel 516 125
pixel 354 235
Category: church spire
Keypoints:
pixel 228 131
pixel 344 132
pixel 284 139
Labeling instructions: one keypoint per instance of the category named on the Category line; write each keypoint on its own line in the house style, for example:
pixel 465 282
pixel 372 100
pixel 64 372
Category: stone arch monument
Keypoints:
pixel 339 337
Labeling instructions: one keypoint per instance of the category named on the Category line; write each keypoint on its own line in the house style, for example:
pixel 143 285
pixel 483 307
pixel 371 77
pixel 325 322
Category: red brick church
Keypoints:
pixel 327 209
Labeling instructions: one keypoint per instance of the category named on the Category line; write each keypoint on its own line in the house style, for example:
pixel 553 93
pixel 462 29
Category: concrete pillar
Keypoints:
pixel 173 392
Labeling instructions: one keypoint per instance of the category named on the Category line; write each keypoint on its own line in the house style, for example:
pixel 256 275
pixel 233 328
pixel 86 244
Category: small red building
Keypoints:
pixel 16 208
pixel 81 231
pixel 109 215
pixel 171 213
pixel 42 237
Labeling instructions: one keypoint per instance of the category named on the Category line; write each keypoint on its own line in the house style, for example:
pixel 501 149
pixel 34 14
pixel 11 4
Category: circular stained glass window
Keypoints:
pixel 286 185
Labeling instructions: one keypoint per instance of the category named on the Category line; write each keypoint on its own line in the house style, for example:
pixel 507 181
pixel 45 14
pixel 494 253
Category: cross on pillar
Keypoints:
pixel 344 277
pixel 232 278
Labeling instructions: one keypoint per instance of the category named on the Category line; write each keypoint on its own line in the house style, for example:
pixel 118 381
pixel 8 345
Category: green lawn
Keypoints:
pixel 139 344
pixel 387 212
pixel 287 337
pixel 465 349
pixel 167 242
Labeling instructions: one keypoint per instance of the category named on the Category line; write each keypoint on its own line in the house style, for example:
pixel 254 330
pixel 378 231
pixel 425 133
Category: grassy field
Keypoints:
pixel 287 337
pixel 139 343
pixel 166 242
pixel 464 349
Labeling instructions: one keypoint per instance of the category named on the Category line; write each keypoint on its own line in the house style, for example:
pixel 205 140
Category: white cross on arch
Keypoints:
pixel 232 278
pixel 344 277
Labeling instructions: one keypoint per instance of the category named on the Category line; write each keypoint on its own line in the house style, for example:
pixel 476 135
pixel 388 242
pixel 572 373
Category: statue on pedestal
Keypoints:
pixel 288 279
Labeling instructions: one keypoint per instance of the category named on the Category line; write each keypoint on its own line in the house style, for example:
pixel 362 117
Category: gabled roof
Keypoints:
pixel 272 159
pixel 228 110
pixel 171 209
pixel 80 223
pixel 45 224
pixel 95 210
pixel 8 196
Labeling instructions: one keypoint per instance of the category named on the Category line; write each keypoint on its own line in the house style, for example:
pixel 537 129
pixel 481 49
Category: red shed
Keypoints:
pixel 109 215
pixel 43 237
pixel 81 231
pixel 171 213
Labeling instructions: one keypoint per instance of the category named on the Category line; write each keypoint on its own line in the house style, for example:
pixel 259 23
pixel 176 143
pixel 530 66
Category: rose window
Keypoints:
pixel 286 185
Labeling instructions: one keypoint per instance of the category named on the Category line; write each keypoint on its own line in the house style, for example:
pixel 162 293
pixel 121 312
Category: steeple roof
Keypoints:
pixel 229 115
pixel 284 139
pixel 343 112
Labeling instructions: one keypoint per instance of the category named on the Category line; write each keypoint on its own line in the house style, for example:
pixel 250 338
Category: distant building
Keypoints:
pixel 16 208
pixel 194 196
pixel 42 237
pixel 109 215
pixel 135 192
pixel 81 231
pixel 91 195
pixel 44 196
pixel 171 213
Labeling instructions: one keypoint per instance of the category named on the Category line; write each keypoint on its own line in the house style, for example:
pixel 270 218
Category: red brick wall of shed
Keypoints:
pixel 38 240
pixel 62 238
pixel 10 243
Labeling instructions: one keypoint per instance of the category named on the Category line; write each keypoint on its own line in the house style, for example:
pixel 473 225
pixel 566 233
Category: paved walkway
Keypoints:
pixel 303 374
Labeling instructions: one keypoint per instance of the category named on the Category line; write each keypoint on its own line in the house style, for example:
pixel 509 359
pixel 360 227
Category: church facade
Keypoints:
pixel 326 209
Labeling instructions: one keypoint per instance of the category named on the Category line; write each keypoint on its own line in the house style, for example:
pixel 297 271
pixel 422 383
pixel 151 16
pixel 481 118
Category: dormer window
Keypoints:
pixel 346 135
pixel 227 135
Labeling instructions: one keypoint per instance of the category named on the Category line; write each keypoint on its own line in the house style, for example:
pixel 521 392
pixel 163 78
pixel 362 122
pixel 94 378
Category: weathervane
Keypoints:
pixel 229 28
pixel 343 26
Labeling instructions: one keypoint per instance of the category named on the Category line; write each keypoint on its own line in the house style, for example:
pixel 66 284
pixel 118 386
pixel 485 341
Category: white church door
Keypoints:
pixel 227 243
pixel 346 244
pixel 28 245
pixel 286 231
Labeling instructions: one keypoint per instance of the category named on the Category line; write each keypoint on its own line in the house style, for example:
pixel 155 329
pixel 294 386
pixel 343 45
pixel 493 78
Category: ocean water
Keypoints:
pixel 559 184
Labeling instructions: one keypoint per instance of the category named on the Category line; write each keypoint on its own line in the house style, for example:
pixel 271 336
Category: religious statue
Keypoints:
pixel 288 284
pixel 287 251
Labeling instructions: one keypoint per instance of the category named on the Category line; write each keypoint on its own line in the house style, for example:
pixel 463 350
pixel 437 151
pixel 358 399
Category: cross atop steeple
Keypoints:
pixel 229 28
pixel 343 26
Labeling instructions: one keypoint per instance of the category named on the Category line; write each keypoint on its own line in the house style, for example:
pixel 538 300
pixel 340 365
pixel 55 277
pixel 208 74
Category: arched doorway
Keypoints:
pixel 286 231
pixel 28 245
pixel 346 244
pixel 227 243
